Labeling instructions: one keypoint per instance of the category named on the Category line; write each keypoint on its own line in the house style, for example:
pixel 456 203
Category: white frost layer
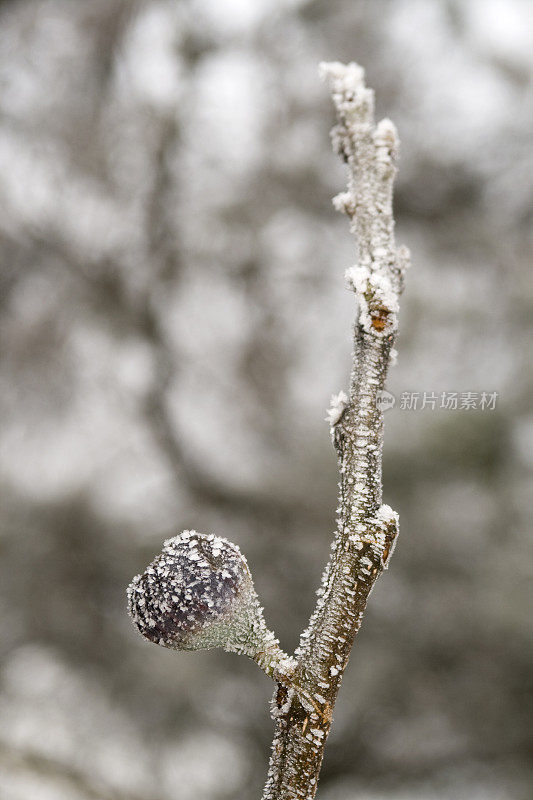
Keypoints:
pixel 374 289
pixel 339 403
pixel 343 77
pixel 387 515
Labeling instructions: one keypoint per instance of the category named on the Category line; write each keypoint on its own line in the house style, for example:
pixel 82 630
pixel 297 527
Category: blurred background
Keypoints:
pixel 174 321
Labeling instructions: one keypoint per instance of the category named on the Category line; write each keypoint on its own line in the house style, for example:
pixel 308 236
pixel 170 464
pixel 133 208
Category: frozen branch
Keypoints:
pixel 198 593
pixel 366 529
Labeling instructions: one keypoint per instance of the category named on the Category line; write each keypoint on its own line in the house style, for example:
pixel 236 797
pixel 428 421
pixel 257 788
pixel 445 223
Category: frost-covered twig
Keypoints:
pixel 366 529
pixel 198 593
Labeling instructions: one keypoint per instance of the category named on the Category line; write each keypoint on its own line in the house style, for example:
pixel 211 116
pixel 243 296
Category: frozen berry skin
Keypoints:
pixel 197 594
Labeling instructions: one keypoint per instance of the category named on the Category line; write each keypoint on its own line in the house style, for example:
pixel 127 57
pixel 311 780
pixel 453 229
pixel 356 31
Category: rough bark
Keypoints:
pixel 366 529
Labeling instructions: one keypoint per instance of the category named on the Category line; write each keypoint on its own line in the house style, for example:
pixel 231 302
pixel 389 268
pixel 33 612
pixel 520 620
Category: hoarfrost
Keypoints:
pixel 198 594
pixel 339 403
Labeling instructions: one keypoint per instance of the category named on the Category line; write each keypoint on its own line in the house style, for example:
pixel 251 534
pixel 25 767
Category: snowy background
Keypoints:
pixel 174 321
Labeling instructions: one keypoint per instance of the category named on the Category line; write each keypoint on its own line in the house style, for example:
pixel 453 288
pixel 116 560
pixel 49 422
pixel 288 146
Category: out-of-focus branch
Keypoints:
pixel 366 529
pixel 137 313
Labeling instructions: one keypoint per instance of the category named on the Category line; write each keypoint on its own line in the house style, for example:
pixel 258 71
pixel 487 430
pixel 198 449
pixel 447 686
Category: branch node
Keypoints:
pixel 338 405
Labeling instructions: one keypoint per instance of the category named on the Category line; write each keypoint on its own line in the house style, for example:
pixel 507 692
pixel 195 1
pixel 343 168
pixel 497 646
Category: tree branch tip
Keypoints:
pixel 353 101
pixel 342 77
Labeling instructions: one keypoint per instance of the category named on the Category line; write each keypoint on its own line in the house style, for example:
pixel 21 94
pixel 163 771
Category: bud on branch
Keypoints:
pixel 199 594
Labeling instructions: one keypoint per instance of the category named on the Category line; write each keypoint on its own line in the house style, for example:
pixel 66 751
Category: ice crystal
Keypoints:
pixel 338 405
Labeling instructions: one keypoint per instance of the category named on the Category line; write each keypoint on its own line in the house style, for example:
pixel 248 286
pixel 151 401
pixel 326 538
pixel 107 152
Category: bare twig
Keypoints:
pixel 366 529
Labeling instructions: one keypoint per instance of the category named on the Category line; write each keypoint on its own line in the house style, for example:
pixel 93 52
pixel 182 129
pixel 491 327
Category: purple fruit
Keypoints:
pixel 197 594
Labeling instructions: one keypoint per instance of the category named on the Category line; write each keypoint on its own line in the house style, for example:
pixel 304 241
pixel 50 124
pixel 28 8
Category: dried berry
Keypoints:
pixel 197 594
